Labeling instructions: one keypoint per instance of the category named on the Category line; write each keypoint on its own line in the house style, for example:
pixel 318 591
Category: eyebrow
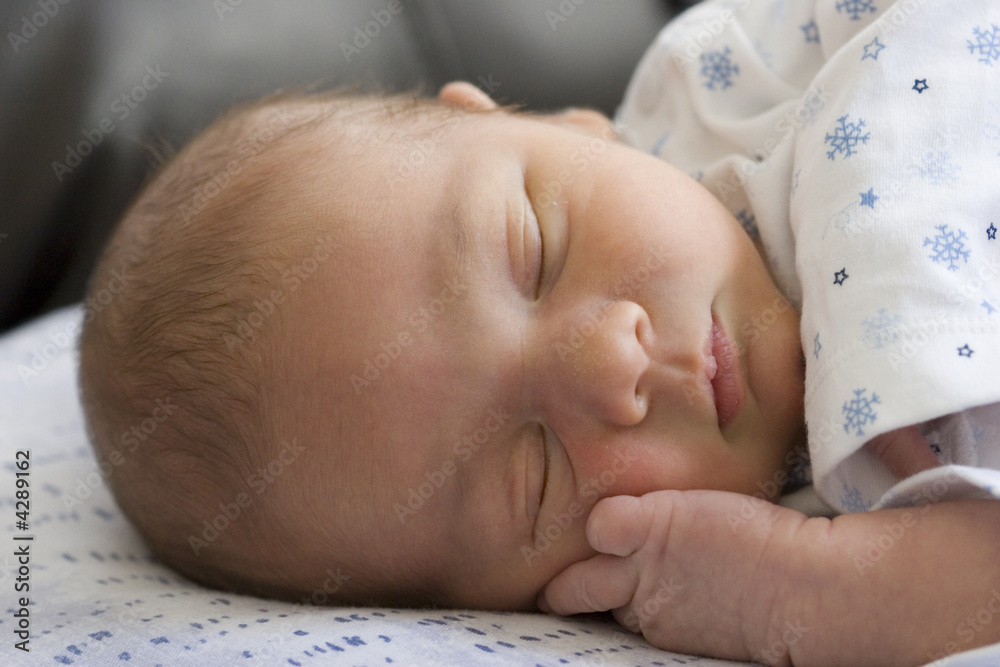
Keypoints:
pixel 459 237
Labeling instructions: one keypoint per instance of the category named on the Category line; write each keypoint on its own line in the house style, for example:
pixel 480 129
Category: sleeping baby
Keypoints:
pixel 438 352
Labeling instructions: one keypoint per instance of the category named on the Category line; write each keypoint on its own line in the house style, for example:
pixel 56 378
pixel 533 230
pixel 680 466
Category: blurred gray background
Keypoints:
pixel 93 92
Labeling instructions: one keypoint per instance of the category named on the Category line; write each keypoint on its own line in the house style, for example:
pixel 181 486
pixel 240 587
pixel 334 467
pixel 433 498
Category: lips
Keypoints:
pixel 723 370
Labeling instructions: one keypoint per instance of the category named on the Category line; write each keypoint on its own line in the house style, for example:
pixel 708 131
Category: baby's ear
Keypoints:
pixel 465 95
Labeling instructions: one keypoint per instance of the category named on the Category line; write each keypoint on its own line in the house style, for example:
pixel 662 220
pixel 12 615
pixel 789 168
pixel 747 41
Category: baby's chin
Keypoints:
pixel 793 454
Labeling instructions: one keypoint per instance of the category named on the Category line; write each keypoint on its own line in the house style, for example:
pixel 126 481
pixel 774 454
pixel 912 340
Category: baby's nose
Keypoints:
pixel 599 360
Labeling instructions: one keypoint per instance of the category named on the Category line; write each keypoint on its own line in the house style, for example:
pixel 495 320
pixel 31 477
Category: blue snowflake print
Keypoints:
pixel 987 44
pixel 965 351
pixel 938 168
pixel 718 69
pixel 749 223
pixel 947 246
pixel 855 7
pixel 872 49
pixel 991 232
pixel 852 501
pixel 811 31
pixel 920 85
pixel 845 138
pixel 869 198
pixel 858 411
pixel 881 330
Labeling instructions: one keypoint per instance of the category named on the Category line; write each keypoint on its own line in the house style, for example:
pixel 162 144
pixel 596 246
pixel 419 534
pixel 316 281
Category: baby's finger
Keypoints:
pixel 597 584
pixel 616 525
pixel 904 451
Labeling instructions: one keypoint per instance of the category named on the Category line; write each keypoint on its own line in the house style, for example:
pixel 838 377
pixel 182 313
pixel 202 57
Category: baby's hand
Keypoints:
pixel 904 451
pixel 674 567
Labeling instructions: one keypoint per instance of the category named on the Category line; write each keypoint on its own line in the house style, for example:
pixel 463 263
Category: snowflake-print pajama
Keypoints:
pixel 859 143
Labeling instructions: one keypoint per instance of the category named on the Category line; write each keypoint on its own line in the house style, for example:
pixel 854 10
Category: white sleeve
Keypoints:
pixel 893 208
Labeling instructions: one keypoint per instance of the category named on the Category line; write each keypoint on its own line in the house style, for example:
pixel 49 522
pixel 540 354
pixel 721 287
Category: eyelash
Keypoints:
pixel 541 259
pixel 547 458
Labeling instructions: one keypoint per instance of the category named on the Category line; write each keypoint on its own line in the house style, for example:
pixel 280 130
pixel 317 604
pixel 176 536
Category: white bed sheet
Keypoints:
pixel 97 597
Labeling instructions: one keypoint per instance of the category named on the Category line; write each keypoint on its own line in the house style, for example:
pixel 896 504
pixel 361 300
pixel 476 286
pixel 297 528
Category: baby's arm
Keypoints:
pixel 889 587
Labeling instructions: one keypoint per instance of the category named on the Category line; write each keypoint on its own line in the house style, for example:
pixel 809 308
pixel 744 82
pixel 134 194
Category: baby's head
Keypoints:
pixel 377 351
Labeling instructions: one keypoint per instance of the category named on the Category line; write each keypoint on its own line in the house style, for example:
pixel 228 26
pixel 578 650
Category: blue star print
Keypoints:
pixel 840 276
pixel 920 85
pixel 988 306
pixel 816 346
pixel 811 31
pixel 991 232
pixel 872 49
pixel 869 198
pixel 965 351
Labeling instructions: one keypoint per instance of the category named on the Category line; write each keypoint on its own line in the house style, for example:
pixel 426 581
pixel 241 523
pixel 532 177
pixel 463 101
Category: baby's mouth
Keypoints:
pixel 722 367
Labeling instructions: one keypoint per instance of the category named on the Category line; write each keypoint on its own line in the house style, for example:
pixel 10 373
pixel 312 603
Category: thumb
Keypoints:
pixel 618 525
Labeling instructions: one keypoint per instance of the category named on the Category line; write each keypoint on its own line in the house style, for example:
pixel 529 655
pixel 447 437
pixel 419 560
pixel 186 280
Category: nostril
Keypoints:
pixel 640 402
pixel 643 328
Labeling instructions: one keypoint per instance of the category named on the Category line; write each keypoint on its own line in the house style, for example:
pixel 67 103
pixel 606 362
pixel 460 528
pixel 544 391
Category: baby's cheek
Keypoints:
pixel 559 542
pixel 615 468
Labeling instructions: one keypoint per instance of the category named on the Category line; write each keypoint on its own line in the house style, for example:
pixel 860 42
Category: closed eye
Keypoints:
pixel 546 470
pixel 534 242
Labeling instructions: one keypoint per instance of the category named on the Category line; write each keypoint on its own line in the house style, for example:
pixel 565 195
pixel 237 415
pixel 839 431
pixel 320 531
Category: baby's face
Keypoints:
pixel 530 318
